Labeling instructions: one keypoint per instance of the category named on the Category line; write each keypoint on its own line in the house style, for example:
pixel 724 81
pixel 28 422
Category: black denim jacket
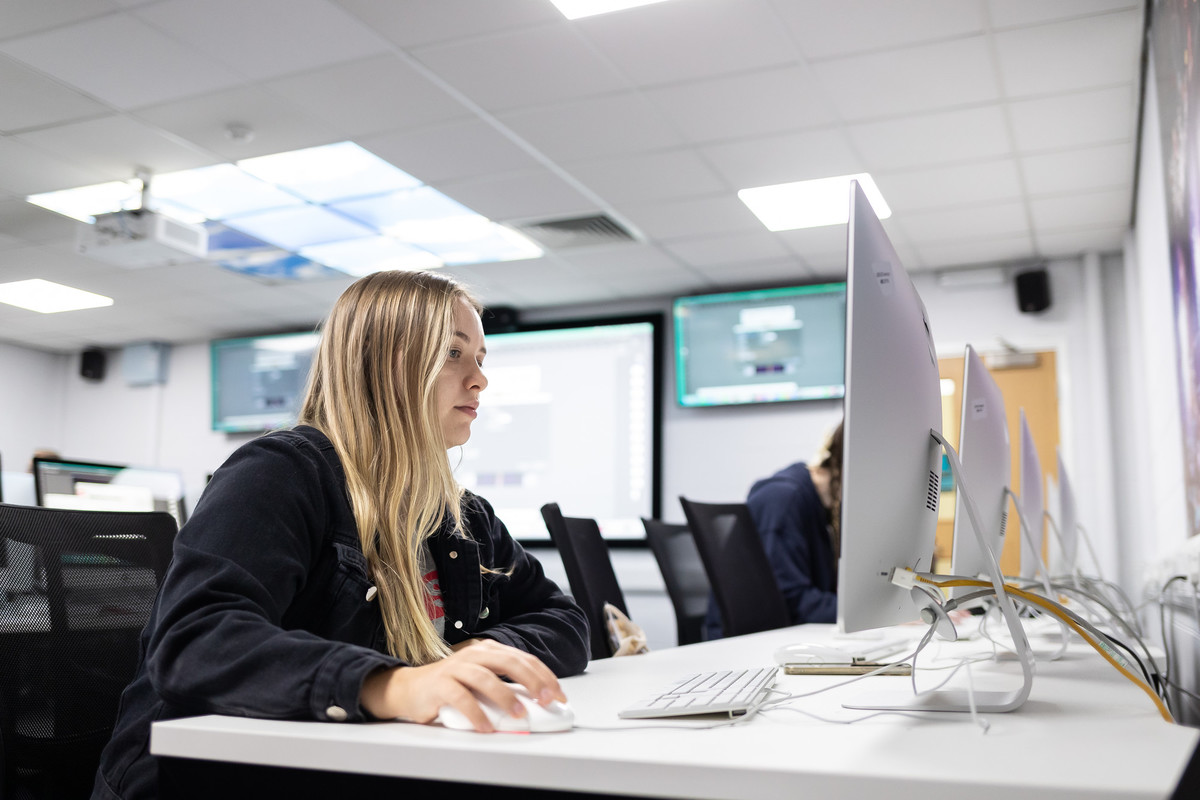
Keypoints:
pixel 268 611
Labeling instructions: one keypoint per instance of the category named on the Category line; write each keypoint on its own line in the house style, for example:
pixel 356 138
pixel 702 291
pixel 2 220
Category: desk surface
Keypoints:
pixel 1084 732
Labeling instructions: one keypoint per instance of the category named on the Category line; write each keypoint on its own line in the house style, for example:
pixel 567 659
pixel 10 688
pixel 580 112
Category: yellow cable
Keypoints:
pixel 1050 606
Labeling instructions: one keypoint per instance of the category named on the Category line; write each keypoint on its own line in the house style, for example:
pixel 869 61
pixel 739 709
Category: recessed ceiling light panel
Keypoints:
pixel 576 9
pixel 810 204
pixel 47 297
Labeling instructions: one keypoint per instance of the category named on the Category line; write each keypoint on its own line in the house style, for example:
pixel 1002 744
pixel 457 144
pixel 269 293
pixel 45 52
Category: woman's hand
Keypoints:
pixel 417 693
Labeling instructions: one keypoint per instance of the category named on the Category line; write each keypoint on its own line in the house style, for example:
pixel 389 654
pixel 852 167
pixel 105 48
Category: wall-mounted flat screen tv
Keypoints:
pixel 571 415
pixel 258 381
pixel 761 346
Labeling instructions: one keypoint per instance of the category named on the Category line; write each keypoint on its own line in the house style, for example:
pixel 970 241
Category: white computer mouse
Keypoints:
pixel 811 653
pixel 552 718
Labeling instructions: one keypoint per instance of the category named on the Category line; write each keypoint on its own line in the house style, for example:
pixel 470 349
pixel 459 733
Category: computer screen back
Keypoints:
pixel 986 457
pixel 891 464
pixel 1032 502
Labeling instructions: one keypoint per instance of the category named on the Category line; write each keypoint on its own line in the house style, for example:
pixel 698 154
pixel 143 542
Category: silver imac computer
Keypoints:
pixel 1066 523
pixel 892 466
pixel 1031 505
pixel 108 487
pixel 983 449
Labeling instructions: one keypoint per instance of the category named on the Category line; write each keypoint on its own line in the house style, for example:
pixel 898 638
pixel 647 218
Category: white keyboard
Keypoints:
pixel 730 692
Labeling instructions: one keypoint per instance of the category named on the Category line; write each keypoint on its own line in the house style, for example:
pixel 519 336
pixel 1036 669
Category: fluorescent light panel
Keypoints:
pixel 576 9
pixel 85 202
pixel 307 202
pixel 810 204
pixel 47 297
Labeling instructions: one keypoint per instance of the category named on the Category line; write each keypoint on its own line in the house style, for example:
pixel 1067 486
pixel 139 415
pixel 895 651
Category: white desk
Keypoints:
pixel 1085 732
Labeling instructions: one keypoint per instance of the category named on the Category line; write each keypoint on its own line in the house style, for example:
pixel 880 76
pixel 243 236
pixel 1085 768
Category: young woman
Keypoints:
pixel 797 512
pixel 336 571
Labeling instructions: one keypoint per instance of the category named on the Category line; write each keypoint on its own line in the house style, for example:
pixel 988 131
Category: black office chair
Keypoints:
pixel 747 593
pixel 589 571
pixel 683 572
pixel 78 590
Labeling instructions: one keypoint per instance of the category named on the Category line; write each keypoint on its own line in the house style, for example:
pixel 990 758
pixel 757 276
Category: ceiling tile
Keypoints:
pixel 826 244
pixel 911 80
pixel 28 170
pixel 108 143
pixel 1109 239
pixel 275 123
pixel 29 16
pixel 419 22
pixel 949 187
pixel 1009 13
pixel 1089 209
pixel 973 251
pixel 467 149
pixel 602 126
pixel 370 96
pixel 985 222
pixel 732 250
pixel 648 177
pixel 121 61
pixel 1074 120
pixel 520 196
pixel 1078 169
pixel 629 259
pixel 932 139
pixel 31 100
pixel 1064 57
pixel 747 104
pixel 746 274
pixel 783 158
pixel 857 26
pixel 303 33
pixel 669 42
pixel 674 219
pixel 548 64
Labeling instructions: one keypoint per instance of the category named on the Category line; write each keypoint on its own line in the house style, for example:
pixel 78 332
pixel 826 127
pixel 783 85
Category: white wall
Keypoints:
pixel 32 409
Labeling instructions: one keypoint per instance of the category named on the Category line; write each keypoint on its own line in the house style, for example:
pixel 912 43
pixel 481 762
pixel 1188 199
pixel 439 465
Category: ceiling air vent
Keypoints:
pixel 559 234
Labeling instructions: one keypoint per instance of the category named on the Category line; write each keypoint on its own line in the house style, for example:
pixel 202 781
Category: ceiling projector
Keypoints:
pixel 142 238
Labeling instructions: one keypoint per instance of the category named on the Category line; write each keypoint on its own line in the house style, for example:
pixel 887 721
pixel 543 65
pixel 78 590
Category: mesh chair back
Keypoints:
pixel 674 549
pixel 747 593
pixel 589 571
pixel 79 590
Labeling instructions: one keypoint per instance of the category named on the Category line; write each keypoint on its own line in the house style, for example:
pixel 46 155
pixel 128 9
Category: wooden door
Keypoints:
pixel 1026 381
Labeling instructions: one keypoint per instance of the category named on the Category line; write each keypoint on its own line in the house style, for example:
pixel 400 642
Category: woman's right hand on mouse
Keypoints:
pixel 418 693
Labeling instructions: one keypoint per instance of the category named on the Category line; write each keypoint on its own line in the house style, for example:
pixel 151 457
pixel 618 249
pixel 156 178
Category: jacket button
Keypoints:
pixel 336 713
pixel 371 592
pixel 484 614
pixel 454 554
pixel 458 624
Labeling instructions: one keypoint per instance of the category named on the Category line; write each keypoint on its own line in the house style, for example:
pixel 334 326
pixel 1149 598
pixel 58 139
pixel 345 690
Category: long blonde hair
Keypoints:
pixel 371 390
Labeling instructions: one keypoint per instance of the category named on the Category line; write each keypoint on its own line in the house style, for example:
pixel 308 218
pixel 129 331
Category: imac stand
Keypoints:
pixel 960 700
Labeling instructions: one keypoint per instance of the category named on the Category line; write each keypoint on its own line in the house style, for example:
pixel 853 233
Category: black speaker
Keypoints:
pixel 1033 291
pixel 91 364
pixel 500 319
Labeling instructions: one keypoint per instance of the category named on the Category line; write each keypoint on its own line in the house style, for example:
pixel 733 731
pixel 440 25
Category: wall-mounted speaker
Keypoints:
pixel 1033 291
pixel 500 319
pixel 91 364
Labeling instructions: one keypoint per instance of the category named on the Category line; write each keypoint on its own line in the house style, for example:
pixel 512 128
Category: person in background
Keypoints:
pixel 336 571
pixel 797 512
pixel 44 452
